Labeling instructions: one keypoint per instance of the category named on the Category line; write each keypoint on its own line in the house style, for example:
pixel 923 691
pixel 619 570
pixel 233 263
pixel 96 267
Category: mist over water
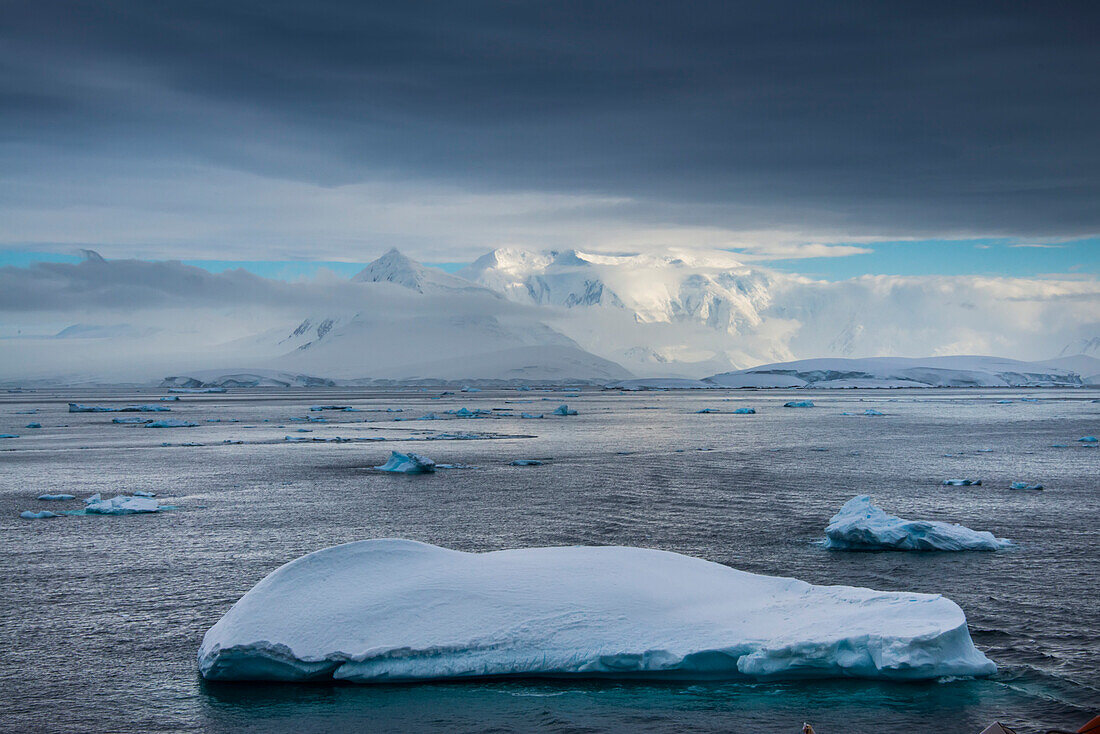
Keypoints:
pixel 102 616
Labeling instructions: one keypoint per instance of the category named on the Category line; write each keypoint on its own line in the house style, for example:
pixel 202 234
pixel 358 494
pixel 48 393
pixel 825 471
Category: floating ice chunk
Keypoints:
pixel 33 425
pixel 171 423
pixel 9 435
pixel 28 515
pixel 1024 485
pixel 525 462
pixel 170 399
pixel 745 411
pixel 120 505
pixel 398 610
pixel 707 410
pixel 799 404
pixel 1004 402
pixel 859 525
pixel 962 482
pixel 56 497
pixel 409 463
pixel 1087 439
pixel 131 420
pixel 563 409
pixel 871 411
pixel 344 408
pixel 467 413
pixel 141 493
pixel 78 408
pixel 531 415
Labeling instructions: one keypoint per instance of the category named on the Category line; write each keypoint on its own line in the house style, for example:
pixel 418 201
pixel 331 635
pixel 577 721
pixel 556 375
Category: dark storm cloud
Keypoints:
pixel 872 118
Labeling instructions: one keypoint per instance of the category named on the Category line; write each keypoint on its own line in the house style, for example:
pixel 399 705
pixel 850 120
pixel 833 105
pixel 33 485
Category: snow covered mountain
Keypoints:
pixel 955 371
pixel 394 267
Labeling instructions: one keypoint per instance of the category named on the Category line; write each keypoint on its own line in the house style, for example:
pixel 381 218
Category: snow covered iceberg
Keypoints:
pixel 859 525
pixel 121 505
pixel 400 610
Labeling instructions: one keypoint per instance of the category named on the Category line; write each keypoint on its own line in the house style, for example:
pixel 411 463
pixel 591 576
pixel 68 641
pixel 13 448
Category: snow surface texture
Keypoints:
pixel 121 505
pixel 859 525
pixel 399 610
pixel 407 464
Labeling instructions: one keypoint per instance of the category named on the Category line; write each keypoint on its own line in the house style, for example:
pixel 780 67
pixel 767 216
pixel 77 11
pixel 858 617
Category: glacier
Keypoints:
pixel 859 525
pixel 409 463
pixel 399 610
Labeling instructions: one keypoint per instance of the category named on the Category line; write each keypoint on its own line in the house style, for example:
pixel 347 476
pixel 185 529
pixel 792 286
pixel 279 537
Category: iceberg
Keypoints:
pixel 859 525
pixel 56 497
pixel 872 411
pixel 799 404
pixel 962 482
pixel 33 425
pixel 1024 485
pixel 9 435
pixel 171 423
pixel 563 409
pixel 379 611
pixel 120 505
pixel 745 411
pixel 28 515
pixel 78 408
pixel 531 415
pixel 409 463
pixel 1087 439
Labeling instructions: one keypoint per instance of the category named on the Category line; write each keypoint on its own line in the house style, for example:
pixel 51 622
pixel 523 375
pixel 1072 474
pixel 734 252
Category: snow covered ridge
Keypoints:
pixel 955 371
pixel 399 610
pixel 859 525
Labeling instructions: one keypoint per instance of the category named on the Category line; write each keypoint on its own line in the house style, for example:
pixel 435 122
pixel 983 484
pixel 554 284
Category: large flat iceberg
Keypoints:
pixel 859 525
pixel 400 610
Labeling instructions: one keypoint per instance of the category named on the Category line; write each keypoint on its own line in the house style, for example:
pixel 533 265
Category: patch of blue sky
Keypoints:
pixel 985 256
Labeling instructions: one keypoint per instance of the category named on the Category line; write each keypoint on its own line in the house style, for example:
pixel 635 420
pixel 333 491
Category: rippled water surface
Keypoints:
pixel 101 617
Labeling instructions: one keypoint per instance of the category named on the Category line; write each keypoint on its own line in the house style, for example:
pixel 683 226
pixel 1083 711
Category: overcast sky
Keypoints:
pixel 333 130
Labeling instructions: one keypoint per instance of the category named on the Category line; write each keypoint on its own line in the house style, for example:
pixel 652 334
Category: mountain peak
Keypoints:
pixel 395 267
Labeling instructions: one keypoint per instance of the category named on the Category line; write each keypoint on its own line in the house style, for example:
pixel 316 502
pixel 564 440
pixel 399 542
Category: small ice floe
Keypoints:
pixel 56 497
pixel 9 435
pixel 33 425
pixel 871 411
pixel 395 410
pixel 707 410
pixel 1024 485
pixel 409 463
pixel 28 515
pixel 962 482
pixel 799 404
pixel 467 413
pixel 343 408
pixel 170 399
pixel 1087 439
pixel 1004 402
pixel 78 408
pixel 131 420
pixel 171 423
pixel 745 411
pixel 859 525
pixel 525 462
pixel 143 493
pixel 120 505
pixel 531 415
pixel 563 409
pixel 232 442
pixel 305 430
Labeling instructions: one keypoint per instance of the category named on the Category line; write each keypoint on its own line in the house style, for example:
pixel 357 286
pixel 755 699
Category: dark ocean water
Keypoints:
pixel 101 617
